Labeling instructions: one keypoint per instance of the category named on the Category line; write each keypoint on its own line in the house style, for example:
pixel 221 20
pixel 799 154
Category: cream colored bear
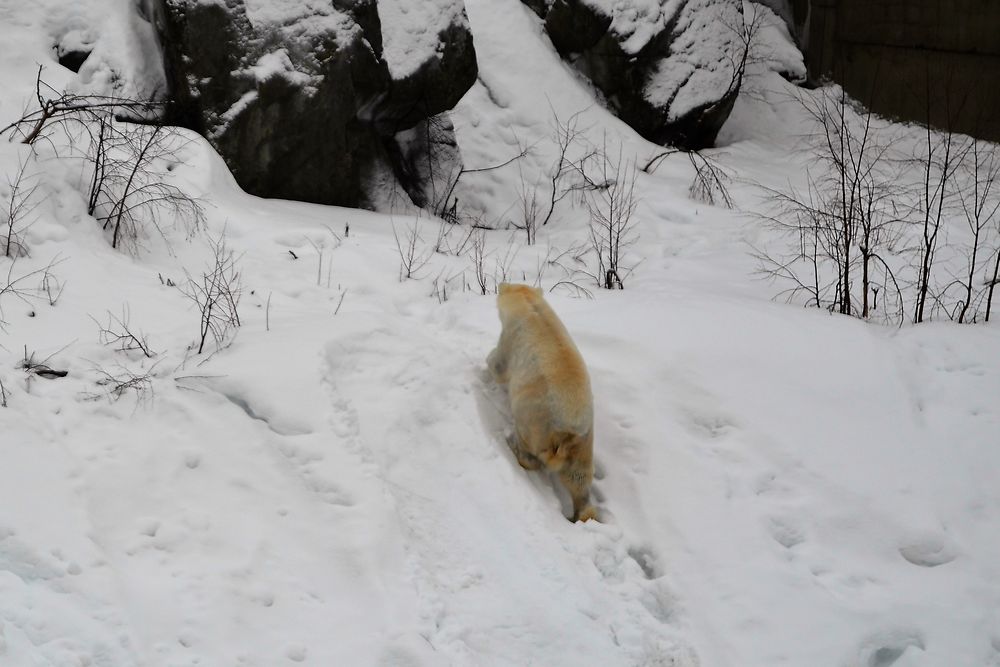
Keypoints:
pixel 549 392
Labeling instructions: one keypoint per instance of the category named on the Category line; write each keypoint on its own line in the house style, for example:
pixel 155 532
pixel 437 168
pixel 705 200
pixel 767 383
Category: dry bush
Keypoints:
pixel 412 257
pixel 21 204
pixel 216 293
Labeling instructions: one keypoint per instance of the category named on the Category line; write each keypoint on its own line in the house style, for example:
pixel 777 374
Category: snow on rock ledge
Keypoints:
pixel 411 31
pixel 668 68
pixel 303 98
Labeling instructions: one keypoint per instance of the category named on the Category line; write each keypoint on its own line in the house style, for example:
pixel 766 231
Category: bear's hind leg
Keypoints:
pixel 577 482
pixel 526 459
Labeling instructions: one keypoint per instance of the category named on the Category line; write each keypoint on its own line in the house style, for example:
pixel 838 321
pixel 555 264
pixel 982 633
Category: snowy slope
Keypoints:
pixel 779 486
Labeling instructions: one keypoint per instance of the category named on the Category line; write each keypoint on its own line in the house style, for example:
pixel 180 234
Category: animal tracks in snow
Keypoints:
pixel 277 425
pixel 928 551
pixel 885 648
pixel 786 532
pixel 49 607
pixel 19 560
pixel 445 463
pixel 647 562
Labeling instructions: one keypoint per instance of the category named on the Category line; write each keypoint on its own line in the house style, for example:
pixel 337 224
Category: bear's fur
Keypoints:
pixel 549 392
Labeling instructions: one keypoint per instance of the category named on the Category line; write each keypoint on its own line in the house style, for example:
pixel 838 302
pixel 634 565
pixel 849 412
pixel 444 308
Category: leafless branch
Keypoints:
pixel 57 108
pixel 412 259
pixel 216 293
pixel 118 333
pixel 20 205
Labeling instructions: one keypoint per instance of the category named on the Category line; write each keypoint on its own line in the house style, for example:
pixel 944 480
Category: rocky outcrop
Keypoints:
pixel 670 70
pixel 305 100
pixel 427 161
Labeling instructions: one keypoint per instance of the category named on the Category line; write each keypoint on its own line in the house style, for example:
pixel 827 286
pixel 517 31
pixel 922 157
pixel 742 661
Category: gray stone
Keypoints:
pixel 676 86
pixel 302 106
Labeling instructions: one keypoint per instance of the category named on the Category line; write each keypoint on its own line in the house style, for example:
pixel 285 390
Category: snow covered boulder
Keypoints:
pixel 304 98
pixel 668 68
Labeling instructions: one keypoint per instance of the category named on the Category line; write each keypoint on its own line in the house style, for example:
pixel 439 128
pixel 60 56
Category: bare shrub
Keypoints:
pixel 747 32
pixel 799 219
pixel 569 139
pixel 844 222
pixel 118 333
pixel 940 158
pixel 574 288
pixel 51 285
pixel 504 264
pixel 529 210
pixel 477 255
pixel 992 283
pixel 19 287
pixel 710 184
pixel 755 52
pixel 573 264
pixel 121 381
pixel 440 286
pixel 129 192
pixel 980 208
pixel 320 247
pixel 448 208
pixel 611 202
pixel 488 282
pixel 20 206
pixel 216 293
pixel 412 258
pixel 711 181
pixel 57 110
pixel 444 244
pixel 565 175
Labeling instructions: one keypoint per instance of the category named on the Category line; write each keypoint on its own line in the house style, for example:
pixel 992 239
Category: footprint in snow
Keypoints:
pixel 928 551
pixel 23 561
pixel 276 424
pixel 786 532
pixel 885 648
pixel 646 560
pixel 659 601
pixel 192 459
pixel 712 425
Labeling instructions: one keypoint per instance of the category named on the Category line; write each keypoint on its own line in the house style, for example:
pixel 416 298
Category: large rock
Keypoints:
pixel 669 69
pixel 304 100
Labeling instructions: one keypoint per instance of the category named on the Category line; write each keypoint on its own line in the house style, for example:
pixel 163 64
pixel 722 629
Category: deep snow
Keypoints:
pixel 779 486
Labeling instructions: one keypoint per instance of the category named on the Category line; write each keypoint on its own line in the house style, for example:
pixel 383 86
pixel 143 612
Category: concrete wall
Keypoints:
pixel 902 56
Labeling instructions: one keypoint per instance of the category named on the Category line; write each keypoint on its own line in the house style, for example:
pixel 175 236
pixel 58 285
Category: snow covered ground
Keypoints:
pixel 779 486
